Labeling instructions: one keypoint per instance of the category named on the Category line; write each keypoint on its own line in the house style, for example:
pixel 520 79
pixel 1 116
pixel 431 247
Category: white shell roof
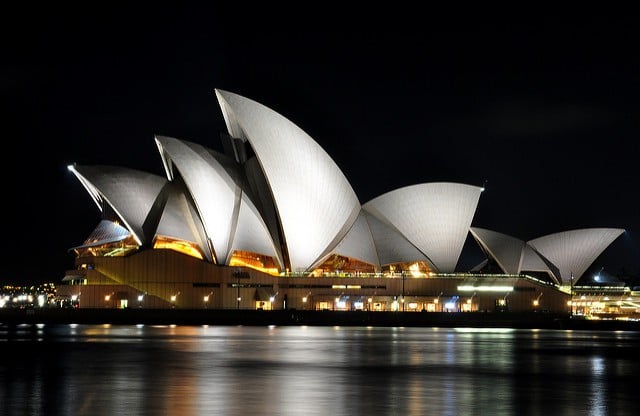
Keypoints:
pixel 251 233
pixel 435 217
pixel 213 190
pixel 106 232
pixel 393 247
pixel 574 251
pixel 130 193
pixel 180 220
pixel 358 243
pixel 315 202
pixel 319 212
pixel 506 250
pixel 230 219
pixel 531 261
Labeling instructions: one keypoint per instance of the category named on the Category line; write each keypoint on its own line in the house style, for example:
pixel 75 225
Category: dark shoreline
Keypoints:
pixel 527 320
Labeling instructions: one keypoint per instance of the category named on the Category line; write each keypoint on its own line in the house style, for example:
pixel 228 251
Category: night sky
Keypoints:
pixel 544 114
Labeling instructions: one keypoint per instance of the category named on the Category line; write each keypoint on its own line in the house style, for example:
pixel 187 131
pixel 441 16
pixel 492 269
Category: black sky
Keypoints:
pixel 545 113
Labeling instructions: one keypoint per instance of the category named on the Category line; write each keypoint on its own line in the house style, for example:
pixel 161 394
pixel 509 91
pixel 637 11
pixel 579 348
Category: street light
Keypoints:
pixel 237 273
pixel 305 298
pixel 404 274
pixel 437 300
pixel 571 296
pixel 75 300
pixel 173 299
pixel 107 299
pixel 502 303
pixel 206 299
pixel 536 301
pixel 470 302
pixel 272 299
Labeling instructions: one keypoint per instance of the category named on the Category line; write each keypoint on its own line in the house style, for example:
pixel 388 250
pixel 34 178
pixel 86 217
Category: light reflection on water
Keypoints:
pixel 195 370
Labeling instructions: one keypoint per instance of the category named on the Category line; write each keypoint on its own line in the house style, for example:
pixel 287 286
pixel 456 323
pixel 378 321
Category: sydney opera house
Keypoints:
pixel 273 223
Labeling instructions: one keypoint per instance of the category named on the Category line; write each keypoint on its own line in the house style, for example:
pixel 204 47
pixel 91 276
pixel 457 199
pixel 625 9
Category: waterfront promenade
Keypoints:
pixel 530 320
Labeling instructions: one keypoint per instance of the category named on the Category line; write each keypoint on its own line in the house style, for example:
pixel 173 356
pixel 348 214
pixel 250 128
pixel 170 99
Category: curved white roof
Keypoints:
pixel 106 232
pixel 213 190
pixel 358 243
pixel 130 193
pixel 533 262
pixel 391 246
pixel 251 233
pixel 435 217
pixel 574 251
pixel 292 202
pixel 315 202
pixel 507 251
pixel 230 219
pixel 180 220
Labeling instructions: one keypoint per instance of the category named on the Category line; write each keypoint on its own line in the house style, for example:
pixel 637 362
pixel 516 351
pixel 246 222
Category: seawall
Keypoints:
pixel 530 320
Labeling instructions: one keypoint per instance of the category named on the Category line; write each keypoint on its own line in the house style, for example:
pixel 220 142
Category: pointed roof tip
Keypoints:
pixel 221 95
pixel 220 92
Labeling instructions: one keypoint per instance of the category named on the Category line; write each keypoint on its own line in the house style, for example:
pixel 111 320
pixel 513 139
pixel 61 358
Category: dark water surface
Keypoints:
pixel 297 370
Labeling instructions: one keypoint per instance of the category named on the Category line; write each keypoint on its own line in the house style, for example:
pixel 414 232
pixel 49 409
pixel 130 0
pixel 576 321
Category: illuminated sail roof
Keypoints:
pixel 276 192
pixel 434 217
pixel 574 251
pixel 507 251
pixel 130 193
pixel 315 202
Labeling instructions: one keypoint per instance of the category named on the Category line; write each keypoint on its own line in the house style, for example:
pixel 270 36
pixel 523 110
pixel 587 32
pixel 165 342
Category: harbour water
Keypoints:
pixel 305 370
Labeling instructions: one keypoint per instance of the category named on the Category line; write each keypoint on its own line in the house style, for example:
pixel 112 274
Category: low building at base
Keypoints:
pixel 168 279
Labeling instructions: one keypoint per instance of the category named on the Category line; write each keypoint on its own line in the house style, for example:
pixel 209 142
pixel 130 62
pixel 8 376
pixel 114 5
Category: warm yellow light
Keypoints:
pixel 535 302
pixel 435 301
pixel 206 298
pixel 414 270
pixel 173 298
pixel 107 298
pixel 304 299
pixel 370 300
pixel 184 247
pixel 469 301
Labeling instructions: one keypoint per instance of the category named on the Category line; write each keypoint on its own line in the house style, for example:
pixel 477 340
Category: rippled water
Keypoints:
pixel 191 370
